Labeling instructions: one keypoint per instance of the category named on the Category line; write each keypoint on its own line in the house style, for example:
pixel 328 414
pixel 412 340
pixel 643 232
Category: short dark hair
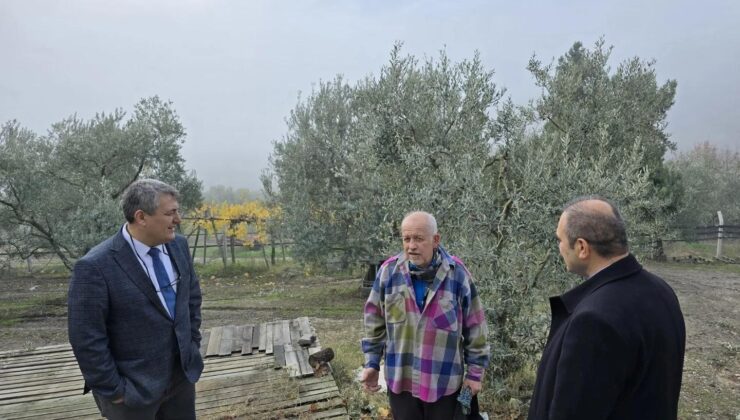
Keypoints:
pixel 143 195
pixel 606 233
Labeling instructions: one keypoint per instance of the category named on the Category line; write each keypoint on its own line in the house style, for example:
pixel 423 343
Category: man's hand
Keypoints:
pixel 474 386
pixel 369 379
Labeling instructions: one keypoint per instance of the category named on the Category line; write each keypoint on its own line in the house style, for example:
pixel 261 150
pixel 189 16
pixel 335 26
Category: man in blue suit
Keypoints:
pixel 134 312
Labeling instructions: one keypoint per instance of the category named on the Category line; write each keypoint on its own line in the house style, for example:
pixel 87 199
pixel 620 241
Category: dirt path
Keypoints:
pixel 710 301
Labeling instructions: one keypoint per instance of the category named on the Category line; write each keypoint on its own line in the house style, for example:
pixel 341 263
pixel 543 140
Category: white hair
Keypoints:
pixel 431 221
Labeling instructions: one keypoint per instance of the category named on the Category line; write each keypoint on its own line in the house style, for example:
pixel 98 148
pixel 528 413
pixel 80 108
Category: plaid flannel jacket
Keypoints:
pixel 424 351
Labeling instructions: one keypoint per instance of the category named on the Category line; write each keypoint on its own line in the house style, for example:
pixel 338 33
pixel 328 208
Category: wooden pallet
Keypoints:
pixel 244 382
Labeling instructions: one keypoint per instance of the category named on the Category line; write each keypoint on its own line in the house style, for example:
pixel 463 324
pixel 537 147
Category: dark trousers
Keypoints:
pixel 177 403
pixel 405 406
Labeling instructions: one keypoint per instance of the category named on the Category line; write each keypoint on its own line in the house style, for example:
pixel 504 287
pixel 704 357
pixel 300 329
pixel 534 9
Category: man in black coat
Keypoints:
pixel 134 312
pixel 616 343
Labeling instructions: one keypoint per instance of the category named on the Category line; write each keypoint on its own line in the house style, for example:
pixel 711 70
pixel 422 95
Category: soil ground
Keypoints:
pixel 33 313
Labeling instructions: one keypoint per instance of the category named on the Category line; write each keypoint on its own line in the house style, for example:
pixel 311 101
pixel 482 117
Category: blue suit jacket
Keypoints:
pixel 125 342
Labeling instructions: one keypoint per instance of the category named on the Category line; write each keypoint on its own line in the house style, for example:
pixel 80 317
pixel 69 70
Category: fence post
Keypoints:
pixel 222 248
pixel 195 246
pixel 720 230
pixel 233 254
pixel 205 244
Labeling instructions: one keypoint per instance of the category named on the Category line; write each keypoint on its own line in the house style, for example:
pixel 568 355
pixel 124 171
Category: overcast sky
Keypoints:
pixel 234 69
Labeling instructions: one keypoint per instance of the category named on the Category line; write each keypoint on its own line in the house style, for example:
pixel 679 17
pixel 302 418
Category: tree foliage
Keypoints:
pixel 711 178
pixel 60 191
pixel 246 221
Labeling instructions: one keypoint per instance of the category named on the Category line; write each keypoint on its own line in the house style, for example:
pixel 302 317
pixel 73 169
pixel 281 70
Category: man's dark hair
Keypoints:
pixel 143 195
pixel 606 233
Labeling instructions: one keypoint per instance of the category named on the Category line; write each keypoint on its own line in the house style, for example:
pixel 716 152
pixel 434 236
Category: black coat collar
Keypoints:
pixel 619 269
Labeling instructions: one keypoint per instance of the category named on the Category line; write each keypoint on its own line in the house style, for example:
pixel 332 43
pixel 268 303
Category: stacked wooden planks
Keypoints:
pixel 247 382
pixel 277 338
pixel 43 383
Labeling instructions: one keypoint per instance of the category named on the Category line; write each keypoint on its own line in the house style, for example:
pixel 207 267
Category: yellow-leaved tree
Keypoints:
pixel 244 224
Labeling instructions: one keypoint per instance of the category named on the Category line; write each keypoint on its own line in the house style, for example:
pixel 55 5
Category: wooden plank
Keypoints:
pixel 262 336
pixel 305 326
pixel 227 336
pixel 214 342
pixel 302 356
pixel 32 370
pixel 330 413
pixel 237 341
pixel 249 408
pixel 223 385
pixel 9 365
pixel 308 330
pixel 51 409
pixel 220 389
pixel 277 335
pixel 48 389
pixel 291 361
pixel 233 368
pixel 226 369
pixel 306 386
pixel 295 333
pixel 279 356
pixel 238 360
pixel 269 337
pixel 38 350
pixel 256 337
pixel 287 409
pixel 69 393
pixel 285 326
pixel 227 388
pixel 247 333
pixel 58 405
pixel 40 379
pixel 41 358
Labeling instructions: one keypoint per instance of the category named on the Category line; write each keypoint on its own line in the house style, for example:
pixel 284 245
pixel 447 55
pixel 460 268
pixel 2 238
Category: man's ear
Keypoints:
pixel 139 217
pixel 436 239
pixel 583 249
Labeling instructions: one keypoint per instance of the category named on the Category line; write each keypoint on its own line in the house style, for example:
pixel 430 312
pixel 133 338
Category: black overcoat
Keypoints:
pixel 615 349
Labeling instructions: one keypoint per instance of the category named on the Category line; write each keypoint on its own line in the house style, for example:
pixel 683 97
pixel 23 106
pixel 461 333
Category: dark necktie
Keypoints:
pixel 163 280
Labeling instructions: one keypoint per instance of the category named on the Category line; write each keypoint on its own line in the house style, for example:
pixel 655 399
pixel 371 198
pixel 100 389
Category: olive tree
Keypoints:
pixel 711 180
pixel 62 189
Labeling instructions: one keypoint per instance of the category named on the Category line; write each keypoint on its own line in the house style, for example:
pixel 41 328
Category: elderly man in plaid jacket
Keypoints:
pixel 426 317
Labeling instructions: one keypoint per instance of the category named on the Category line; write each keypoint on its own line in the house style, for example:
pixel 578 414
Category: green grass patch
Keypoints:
pixel 284 290
pixel 703 249
pixel 17 310
pixel 218 269
pixel 56 270
pixel 242 252
pixel 344 338
pixel 707 268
